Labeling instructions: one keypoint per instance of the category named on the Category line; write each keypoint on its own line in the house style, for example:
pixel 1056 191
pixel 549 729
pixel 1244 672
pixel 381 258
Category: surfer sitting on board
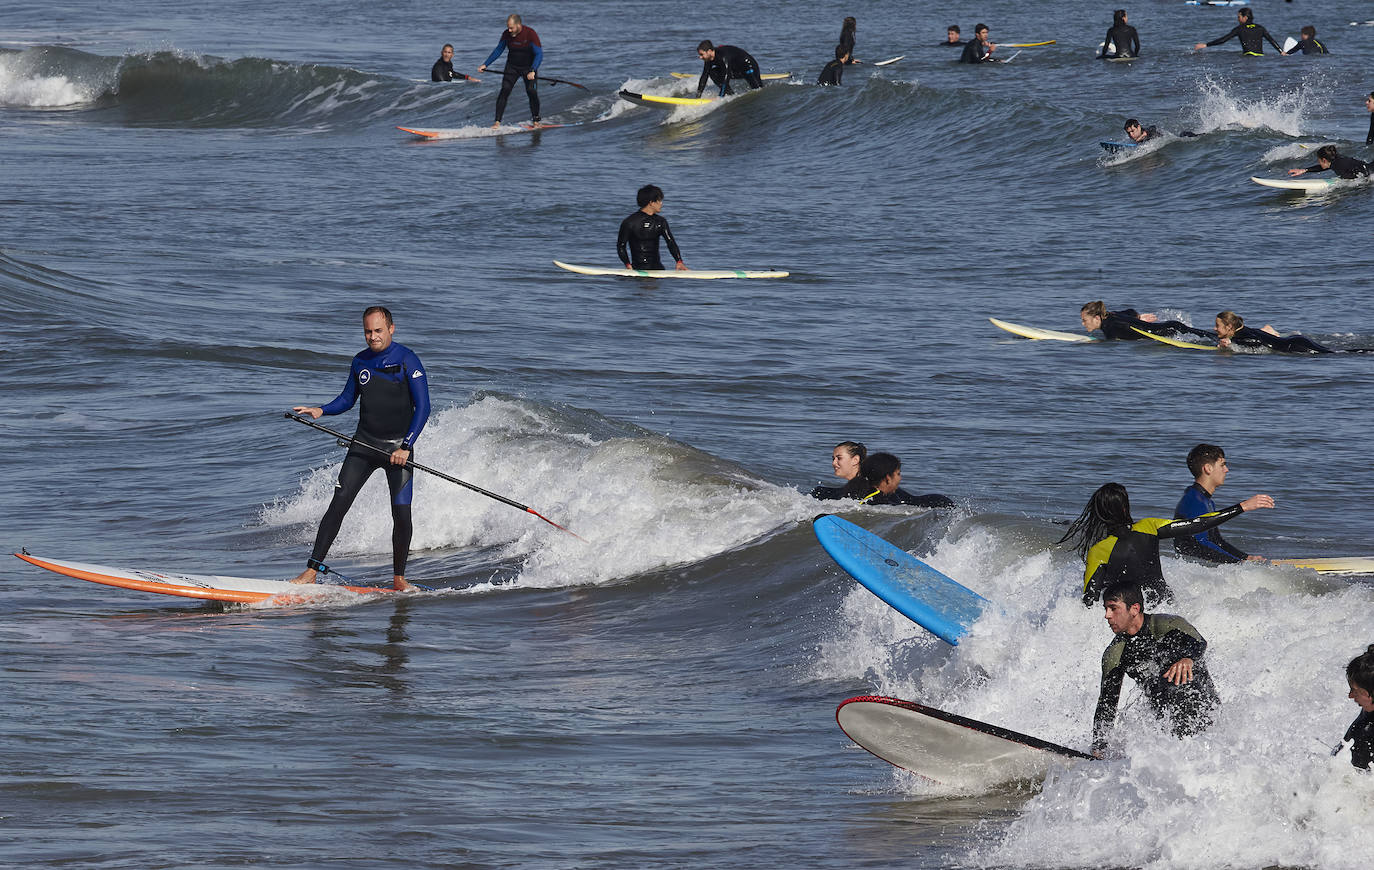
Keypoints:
pixel 1308 44
pixel 390 381
pixel 952 39
pixel 1360 675
pixel 834 70
pixel 878 482
pixel 1330 158
pixel 1115 548
pixel 442 71
pixel 845 459
pixel 1252 35
pixel 1163 654
pixel 1122 39
pixel 1117 324
pixel 978 49
pixel 720 63
pixel 523 62
pixel 1207 464
pixel 637 244
pixel 1232 332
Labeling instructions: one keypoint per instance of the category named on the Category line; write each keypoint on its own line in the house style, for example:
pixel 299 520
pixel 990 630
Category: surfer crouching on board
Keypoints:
pixel 637 244
pixel 879 482
pixel 979 49
pixel 1207 464
pixel 1117 325
pixel 389 380
pixel 1232 332
pixel 1360 675
pixel 523 62
pixel 720 63
pixel 1114 548
pixel 1163 654
pixel 1328 157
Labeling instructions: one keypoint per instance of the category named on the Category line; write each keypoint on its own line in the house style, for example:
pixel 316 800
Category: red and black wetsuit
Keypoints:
pixel 525 56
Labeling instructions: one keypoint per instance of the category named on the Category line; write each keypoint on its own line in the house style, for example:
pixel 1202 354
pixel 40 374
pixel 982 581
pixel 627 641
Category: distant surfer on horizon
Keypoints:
pixel 1232 332
pixel 979 49
pixel 1122 39
pixel 1114 548
pixel 1329 157
pixel 1251 35
pixel 1163 654
pixel 1308 44
pixel 1117 325
pixel 637 244
pixel 443 71
pixel 1207 464
pixel 952 37
pixel 522 62
pixel 847 30
pixel 833 72
pixel 845 459
pixel 720 63
pixel 390 382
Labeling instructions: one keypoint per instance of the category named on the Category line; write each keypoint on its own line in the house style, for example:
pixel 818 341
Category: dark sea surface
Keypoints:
pixel 198 202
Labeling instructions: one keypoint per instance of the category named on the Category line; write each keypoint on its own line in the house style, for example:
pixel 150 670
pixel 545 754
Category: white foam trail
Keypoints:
pixel 1283 112
pixel 20 87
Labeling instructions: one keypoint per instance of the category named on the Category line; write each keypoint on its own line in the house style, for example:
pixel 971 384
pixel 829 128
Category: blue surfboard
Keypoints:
pixel 920 593
pixel 1113 147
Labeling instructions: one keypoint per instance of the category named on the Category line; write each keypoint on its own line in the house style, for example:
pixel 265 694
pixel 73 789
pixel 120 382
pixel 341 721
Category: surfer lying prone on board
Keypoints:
pixel 1163 654
pixel 1232 332
pixel 1328 157
pixel 637 244
pixel 1360 675
pixel 1117 324
pixel 878 482
pixel 720 63
pixel 1115 548
pixel 1139 134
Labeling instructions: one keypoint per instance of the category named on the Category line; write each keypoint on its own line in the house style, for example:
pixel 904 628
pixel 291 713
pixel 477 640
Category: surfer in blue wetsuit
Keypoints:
pixel 879 483
pixel 442 71
pixel 833 73
pixel 1232 332
pixel 1251 35
pixel 1115 548
pixel 1207 463
pixel 979 49
pixel 637 244
pixel 952 39
pixel 1163 654
pixel 390 382
pixel 1117 325
pixel 846 459
pixel 523 62
pixel 1328 157
pixel 720 63
pixel 1360 675
pixel 1308 44
pixel 1122 39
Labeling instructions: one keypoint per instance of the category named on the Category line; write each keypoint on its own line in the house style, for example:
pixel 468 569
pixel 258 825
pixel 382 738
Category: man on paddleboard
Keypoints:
pixel 1207 463
pixel 637 244
pixel 390 381
pixel 720 63
pixel 523 62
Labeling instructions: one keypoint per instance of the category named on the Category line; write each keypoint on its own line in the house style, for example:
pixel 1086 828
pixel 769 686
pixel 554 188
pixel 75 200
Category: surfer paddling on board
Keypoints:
pixel 952 39
pixel 523 62
pixel 720 63
pixel 1232 332
pixel 979 49
pixel 1163 654
pixel 1308 44
pixel 845 459
pixel 1117 325
pixel 1114 548
pixel 390 382
pixel 879 483
pixel 1328 157
pixel 1207 463
pixel 1251 35
pixel 1122 39
pixel 637 244
pixel 442 71
pixel 1360 675
pixel 1140 135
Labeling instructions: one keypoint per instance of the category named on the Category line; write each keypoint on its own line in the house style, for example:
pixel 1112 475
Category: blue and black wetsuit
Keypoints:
pixel 1252 37
pixel 1132 554
pixel 729 63
pixel 395 405
pixel 637 243
pixel 1209 545
pixel 525 56
pixel 1117 326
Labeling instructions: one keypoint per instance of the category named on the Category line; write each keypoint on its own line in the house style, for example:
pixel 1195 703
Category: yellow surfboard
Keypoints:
pixel 1174 342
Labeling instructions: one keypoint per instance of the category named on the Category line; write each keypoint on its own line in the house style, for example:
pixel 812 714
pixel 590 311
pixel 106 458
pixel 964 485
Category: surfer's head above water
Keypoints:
pixel 1360 674
pixel 1229 323
pixel 884 471
pixel 1091 315
pixel 846 459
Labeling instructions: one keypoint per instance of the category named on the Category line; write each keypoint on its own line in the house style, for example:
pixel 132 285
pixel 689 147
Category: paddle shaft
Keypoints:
pixel 347 440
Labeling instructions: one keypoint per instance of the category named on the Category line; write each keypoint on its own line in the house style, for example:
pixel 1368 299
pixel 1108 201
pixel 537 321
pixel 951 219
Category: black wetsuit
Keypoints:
pixel 442 71
pixel 1133 554
pixel 637 243
pixel 1345 167
pixel 846 40
pixel 1362 732
pixel 1126 40
pixel 1209 546
pixel 525 56
pixel 1252 37
pixel 1249 337
pixel 958 43
pixel 1308 46
pixel 975 51
pixel 729 63
pixel 395 405
pixel 1117 325
pixel 1369 139
pixel 1144 656
pixel 862 491
pixel 832 74
pixel 827 493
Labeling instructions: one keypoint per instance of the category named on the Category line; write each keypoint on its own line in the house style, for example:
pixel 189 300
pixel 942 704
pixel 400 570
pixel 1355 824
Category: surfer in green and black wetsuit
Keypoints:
pixel 1309 43
pixel 1252 35
pixel 1163 654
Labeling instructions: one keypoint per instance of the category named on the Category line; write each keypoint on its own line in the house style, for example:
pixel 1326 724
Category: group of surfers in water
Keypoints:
pixel 1162 652
pixel 1127 324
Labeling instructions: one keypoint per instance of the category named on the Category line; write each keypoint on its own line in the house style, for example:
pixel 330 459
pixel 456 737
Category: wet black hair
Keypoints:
pixel 1248 14
pixel 849 26
pixel 648 193
pixel 853 448
pixel 1308 31
pixel 1126 592
pixel 1360 671
pixel 1203 454
pixel 1119 16
pixel 878 466
pixel 953 27
pixel 840 52
pixel 379 309
pixel 705 45
pixel 1107 512
pixel 1328 153
pixel 1130 122
pixel 979 26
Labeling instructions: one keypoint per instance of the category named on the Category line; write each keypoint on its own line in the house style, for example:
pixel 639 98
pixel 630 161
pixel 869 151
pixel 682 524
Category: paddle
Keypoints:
pixel 346 441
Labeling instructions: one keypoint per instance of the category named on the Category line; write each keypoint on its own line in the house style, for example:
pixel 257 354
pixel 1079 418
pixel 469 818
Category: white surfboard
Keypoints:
pixel 767 77
pixel 1306 185
pixel 947 748
pixel 1039 334
pixel 1346 565
pixel 889 61
pixel 1289 44
pixel 700 274
pixel 480 132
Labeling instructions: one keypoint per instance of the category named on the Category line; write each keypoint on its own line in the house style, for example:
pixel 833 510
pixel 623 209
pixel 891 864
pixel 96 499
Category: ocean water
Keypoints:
pixel 198 203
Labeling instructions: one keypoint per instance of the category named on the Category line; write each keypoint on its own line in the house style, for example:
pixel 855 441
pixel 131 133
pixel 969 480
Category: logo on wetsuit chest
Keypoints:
pixel 364 376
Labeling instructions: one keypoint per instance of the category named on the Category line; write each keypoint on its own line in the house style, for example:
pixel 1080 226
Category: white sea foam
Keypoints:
pixel 20 86
pixel 1283 112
